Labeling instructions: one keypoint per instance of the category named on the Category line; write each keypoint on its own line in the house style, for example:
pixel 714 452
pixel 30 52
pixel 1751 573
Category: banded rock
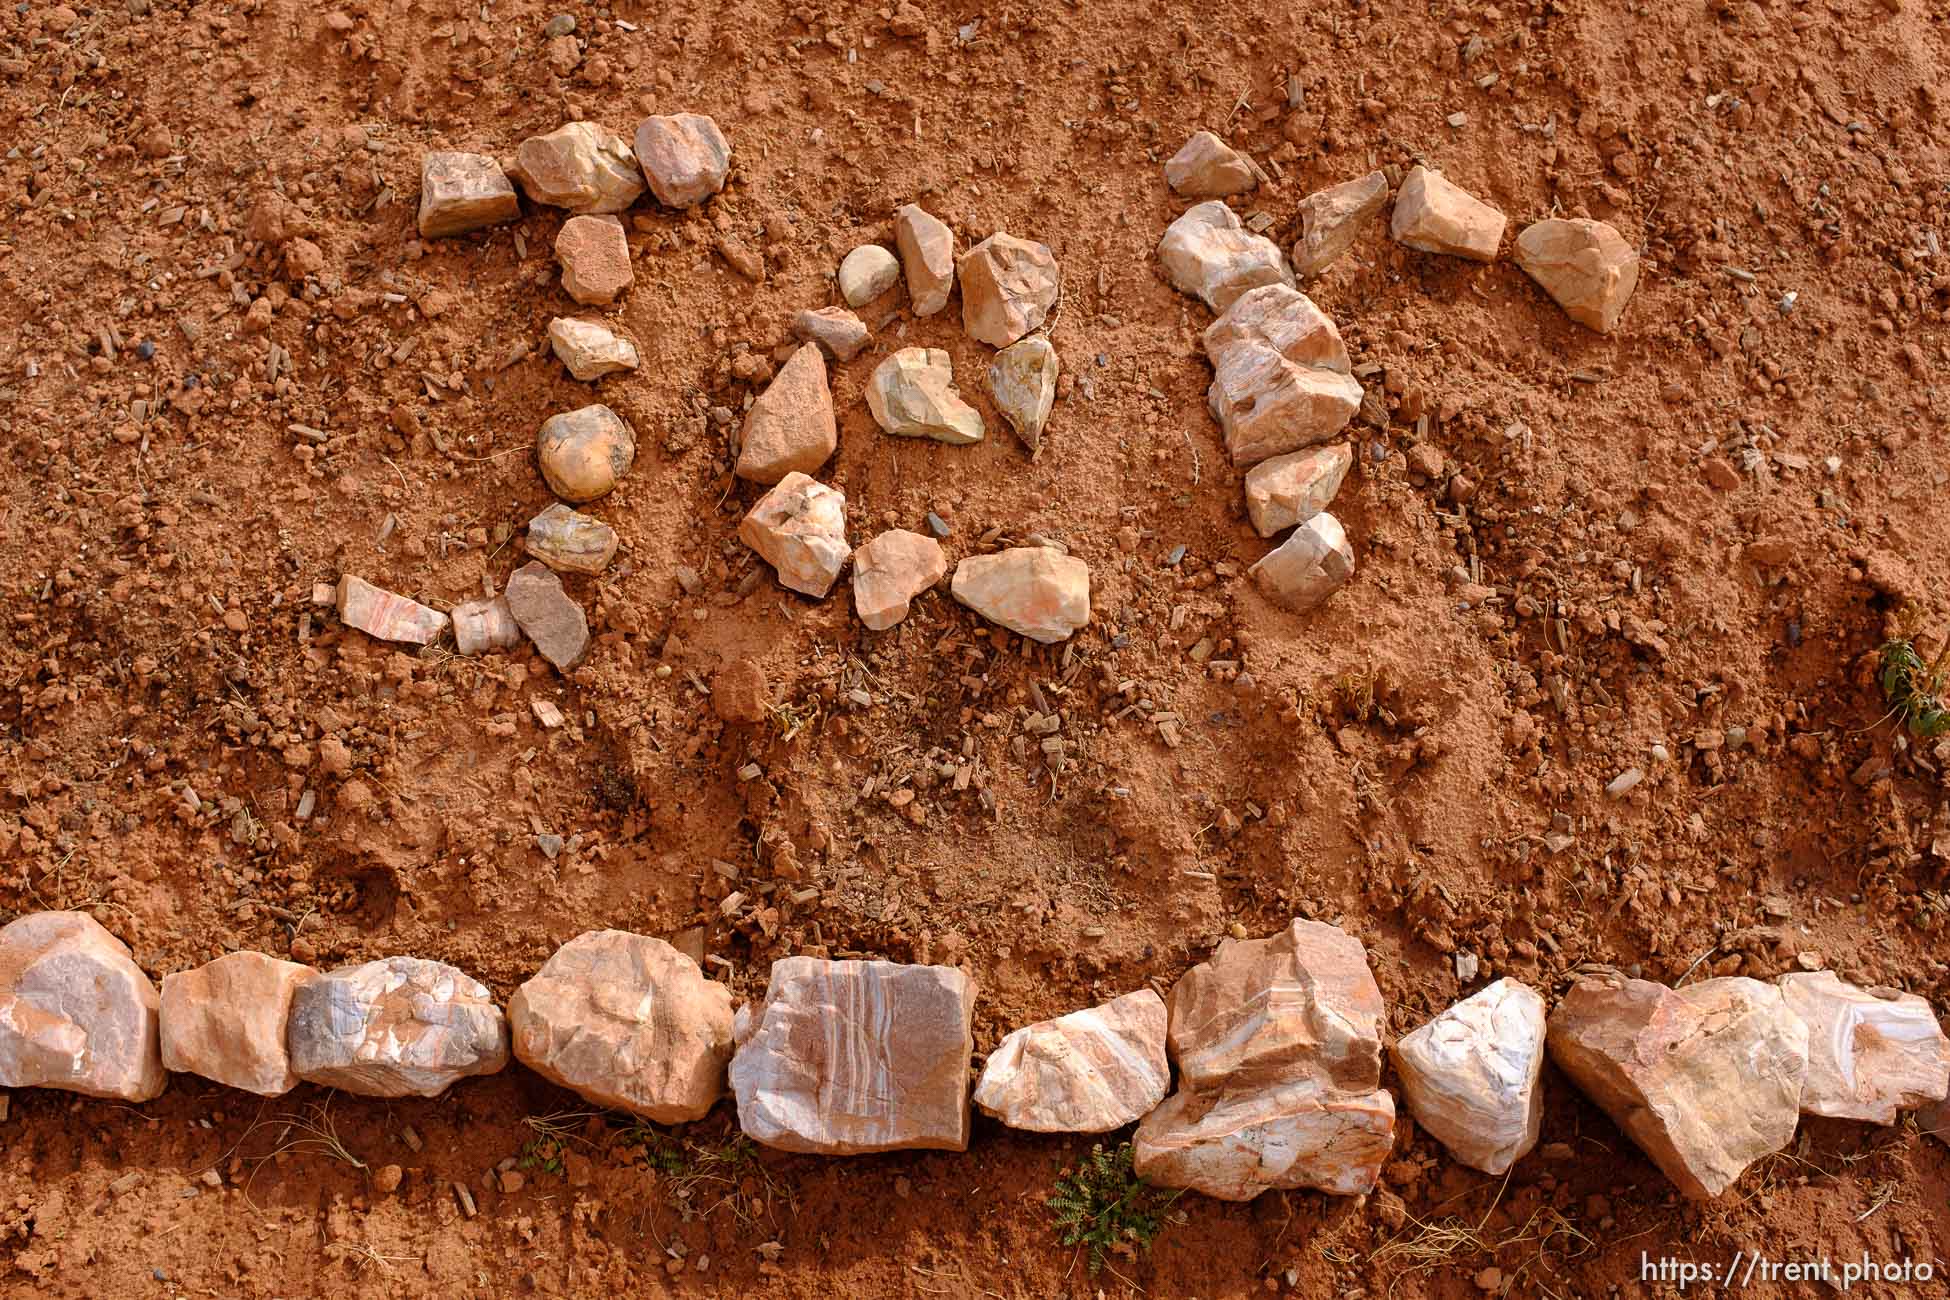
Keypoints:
pixel 1871 1052
pixel 76 1012
pixel 1034 590
pixel 1705 1079
pixel 890 571
pixel 1585 266
pixel 1313 563
pixel 386 615
pixel 398 1027
pixel 1088 1072
pixel 1291 489
pixel 927 249
pixel 226 1021
pixel 1435 215
pixel 853 1057
pixel 1280 378
pixel 1470 1075
pixel 486 625
pixel 684 157
pixel 799 527
pixel 1008 286
pixel 1206 167
pixel 1331 219
pixel 581 166
pixel 460 192
pixel 571 542
pixel 1210 255
pixel 790 427
pixel 912 394
pixel 1237 1143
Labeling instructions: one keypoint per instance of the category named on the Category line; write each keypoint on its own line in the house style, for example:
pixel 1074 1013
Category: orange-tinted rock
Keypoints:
pixel 595 260
pixel 890 571
pixel 583 454
pixel 1585 266
pixel 1435 215
pixel 1008 286
pixel 570 542
pixel 1236 1143
pixel 226 1021
pixel 927 249
pixel 684 157
pixel 1871 1052
pixel 1280 378
pixel 1293 488
pixel 1313 563
pixel 1034 590
pixel 1331 219
pixel 740 693
pixel 1209 254
pixel 383 614
pixel 790 427
pixel 1088 1072
pixel 582 166
pixel 76 1012
pixel 1206 167
pixel 460 192
pixel 838 332
pixel 799 527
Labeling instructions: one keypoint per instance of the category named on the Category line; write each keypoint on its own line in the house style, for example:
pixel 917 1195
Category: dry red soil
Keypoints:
pixel 1690 533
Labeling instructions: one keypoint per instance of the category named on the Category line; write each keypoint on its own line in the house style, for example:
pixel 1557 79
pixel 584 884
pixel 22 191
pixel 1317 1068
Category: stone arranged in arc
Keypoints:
pixel 76 1012
pixel 1034 590
pixel 581 166
pixel 912 394
pixel 1008 286
pixel 837 331
pixel 1291 489
pixel 853 1057
pixel 1280 378
pixel 1210 255
pixel 867 272
pixel 590 349
pixel 484 626
pixel 685 158
pixel 595 260
pixel 1206 167
pixel 1087 1072
pixel 790 427
pixel 397 1027
pixel 1234 1144
pixel 890 571
pixel 1331 219
pixel 547 615
pixel 226 1021
pixel 387 615
pixel 1585 266
pixel 1435 215
pixel 571 542
pixel 1872 1053
pixel 1022 380
pixel 461 192
pixel 626 1021
pixel 799 527
pixel 927 249
pixel 1313 563
pixel 1470 1075
pixel 583 454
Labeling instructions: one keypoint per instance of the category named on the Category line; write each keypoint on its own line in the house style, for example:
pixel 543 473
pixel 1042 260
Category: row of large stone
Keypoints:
pixel 1277 1043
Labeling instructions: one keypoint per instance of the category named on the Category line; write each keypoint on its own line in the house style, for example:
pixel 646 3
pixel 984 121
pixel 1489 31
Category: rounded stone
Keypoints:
pixel 585 453
pixel 866 273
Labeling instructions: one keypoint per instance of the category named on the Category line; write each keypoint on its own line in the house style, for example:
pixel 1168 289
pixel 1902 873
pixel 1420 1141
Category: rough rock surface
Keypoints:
pixel 1280 378
pixel 1206 167
pixel 841 334
pixel 1035 590
pixel 912 393
pixel 1871 1052
pixel 1293 488
pixel 1706 1079
pixel 790 427
pixel 851 1057
pixel 1470 1075
pixel 460 192
pixel 1209 254
pixel 890 571
pixel 584 454
pixel 590 350
pixel 1008 286
pixel 383 614
pixel 1585 266
pixel 927 249
pixel 1237 1143
pixel 399 1027
pixel 76 1012
pixel 799 527
pixel 571 542
pixel 1022 380
pixel 1331 220
pixel 1309 566
pixel 684 157
pixel 1434 215
pixel 595 260
pixel 484 626
pixel 547 615
pixel 582 166
pixel 626 1021
pixel 1088 1072
pixel 1934 1121
pixel 226 1021
pixel 740 693
pixel 866 273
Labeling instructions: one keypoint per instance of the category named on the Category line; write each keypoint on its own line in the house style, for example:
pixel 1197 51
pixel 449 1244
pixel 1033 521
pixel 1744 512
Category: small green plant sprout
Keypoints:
pixel 553 1135
pixel 1915 691
pixel 1102 1203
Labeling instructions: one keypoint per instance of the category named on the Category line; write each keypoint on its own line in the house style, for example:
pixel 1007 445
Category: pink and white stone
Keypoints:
pixel 76 1012
pixel 1470 1075
pixel 1240 1142
pixel 1088 1072
pixel 1871 1052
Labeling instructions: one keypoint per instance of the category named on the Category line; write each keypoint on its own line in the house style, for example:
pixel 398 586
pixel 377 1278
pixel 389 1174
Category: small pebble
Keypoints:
pixel 560 25
pixel 937 525
pixel 146 349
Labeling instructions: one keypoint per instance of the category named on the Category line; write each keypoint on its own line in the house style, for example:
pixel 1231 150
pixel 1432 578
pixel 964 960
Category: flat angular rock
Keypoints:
pixel 790 427
pixel 595 260
pixel 1871 1052
pixel 584 453
pixel 853 1057
pixel 1434 215
pixel 799 527
pixel 1033 590
pixel 1283 320
pixel 866 273
pixel 1280 378
pixel 1008 286
pixel 547 616
pixel 837 331
pixel 1308 567
pixel 890 571
pixel 399 1027
pixel 485 626
pixel 1210 255
pixel 684 157
pixel 1209 168
pixel 1299 1006
pixel 1233 1145
pixel 380 613
pixel 1470 1075
pixel 1088 1072
pixel 226 1021
pixel 460 192
pixel 590 350
pixel 583 166
pixel 1022 380
pixel 1585 266
pixel 927 249
pixel 912 393
pixel 76 1012
pixel 1293 488
pixel 1706 1079
pixel 1331 220
pixel 570 542
pixel 628 1022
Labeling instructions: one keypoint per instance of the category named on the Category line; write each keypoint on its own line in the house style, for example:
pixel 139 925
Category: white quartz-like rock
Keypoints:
pixel 1470 1075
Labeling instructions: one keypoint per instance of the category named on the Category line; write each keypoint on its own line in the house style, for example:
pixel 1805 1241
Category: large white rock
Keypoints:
pixel 799 527
pixel 589 348
pixel 1470 1075
pixel 1209 254
pixel 581 166
pixel 1088 1072
pixel 1209 168
pixel 1280 378
pixel 1871 1052
pixel 1706 1079
pixel 1008 286
pixel 226 1020
pixel 890 571
pixel 398 1027
pixel 76 1012
pixel 1313 563
pixel 1237 1143
pixel 1039 592
pixel 790 427
pixel 852 1057
pixel 626 1021
pixel 1586 266
pixel 912 394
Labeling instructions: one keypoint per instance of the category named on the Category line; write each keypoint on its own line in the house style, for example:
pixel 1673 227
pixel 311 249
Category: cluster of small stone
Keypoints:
pixel 1277 1045
pixel 1282 387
